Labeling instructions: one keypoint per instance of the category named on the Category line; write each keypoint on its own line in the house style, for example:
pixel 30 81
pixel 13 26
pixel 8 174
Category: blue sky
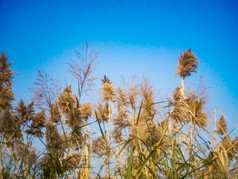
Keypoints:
pixel 132 37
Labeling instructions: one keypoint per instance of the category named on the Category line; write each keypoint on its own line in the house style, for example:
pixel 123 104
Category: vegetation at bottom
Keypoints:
pixel 128 133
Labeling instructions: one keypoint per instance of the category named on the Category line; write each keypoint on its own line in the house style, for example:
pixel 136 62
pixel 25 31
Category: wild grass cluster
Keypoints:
pixel 127 134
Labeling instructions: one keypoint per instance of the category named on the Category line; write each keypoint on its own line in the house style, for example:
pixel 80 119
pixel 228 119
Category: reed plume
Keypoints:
pixel 222 126
pixel 187 64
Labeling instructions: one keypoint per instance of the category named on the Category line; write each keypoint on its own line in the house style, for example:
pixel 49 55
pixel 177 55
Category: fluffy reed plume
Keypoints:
pixel 55 113
pixel 121 98
pixel 85 111
pixel 24 112
pixel 82 68
pixel 75 123
pixel 180 113
pixel 74 111
pixel 133 92
pixel 25 153
pixel 102 112
pixel 188 109
pixel 222 126
pixel 46 167
pixel 67 101
pixel 6 122
pixel 69 106
pixel 118 133
pixel 77 117
pixel 195 106
pixel 72 162
pixel 52 136
pixel 21 150
pixel 146 130
pixel 29 121
pixel 164 124
pixel 38 122
pixel 148 96
pixel 6 75
pixel 149 133
pixel 64 139
pixel 107 91
pixel 101 146
pixel 121 118
pixel 6 96
pixel 177 94
pixel 9 126
pixel 120 122
pixel 32 157
pixel 187 64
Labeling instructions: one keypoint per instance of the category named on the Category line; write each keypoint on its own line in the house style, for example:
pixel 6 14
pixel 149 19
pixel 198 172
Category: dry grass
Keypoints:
pixel 132 139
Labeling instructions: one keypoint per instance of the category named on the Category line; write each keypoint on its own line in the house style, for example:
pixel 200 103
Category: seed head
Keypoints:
pixel 222 126
pixel 101 146
pixel 66 100
pixel 108 92
pixel 187 64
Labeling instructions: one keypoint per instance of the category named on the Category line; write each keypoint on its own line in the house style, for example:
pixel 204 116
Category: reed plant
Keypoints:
pixel 127 134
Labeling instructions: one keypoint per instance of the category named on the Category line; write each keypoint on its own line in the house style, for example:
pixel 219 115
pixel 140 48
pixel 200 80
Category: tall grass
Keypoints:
pixel 136 136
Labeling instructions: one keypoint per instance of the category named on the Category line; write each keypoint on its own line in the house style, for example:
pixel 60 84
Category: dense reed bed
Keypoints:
pixel 127 134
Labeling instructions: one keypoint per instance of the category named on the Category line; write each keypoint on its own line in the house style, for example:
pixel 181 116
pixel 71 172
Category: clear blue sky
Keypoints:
pixel 141 37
